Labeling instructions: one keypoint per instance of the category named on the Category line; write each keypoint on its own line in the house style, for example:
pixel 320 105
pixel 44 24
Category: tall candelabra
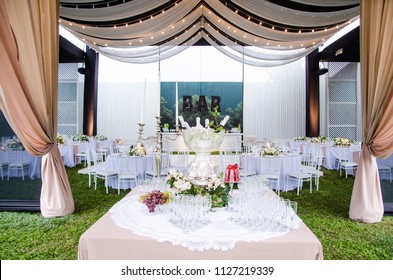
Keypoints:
pixel 158 140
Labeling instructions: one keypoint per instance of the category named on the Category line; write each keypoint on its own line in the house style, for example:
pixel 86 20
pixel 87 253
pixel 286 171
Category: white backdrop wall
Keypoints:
pixel 121 90
pixel 274 97
pixel 274 101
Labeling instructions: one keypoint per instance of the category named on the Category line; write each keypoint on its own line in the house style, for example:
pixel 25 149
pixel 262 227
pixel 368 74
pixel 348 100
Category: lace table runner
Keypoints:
pixel 220 234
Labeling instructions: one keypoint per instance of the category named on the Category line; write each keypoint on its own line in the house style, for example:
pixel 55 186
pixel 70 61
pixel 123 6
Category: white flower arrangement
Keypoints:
pixel 319 139
pixel 269 151
pixel 60 139
pixel 215 187
pixel 301 138
pixel 338 141
pixel 15 144
pixel 137 150
pixel 81 138
pixel 100 137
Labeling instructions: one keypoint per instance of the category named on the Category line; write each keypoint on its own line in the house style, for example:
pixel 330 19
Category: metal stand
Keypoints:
pixel 158 139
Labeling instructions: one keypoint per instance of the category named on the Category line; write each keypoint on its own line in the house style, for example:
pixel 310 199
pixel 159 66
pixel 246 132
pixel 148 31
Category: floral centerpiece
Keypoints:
pixel 342 142
pixel 319 139
pixel 15 144
pixel 60 139
pixel 215 187
pixel 301 138
pixel 137 150
pixel 100 138
pixel 81 138
pixel 269 151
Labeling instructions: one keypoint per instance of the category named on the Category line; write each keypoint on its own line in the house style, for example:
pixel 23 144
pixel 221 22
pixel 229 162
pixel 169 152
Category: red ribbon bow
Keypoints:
pixel 232 174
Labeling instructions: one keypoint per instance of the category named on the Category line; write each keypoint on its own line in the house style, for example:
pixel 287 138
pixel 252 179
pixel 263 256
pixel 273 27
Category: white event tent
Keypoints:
pixel 255 33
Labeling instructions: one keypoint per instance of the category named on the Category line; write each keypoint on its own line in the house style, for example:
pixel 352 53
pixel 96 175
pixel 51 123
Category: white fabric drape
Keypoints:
pixel 186 22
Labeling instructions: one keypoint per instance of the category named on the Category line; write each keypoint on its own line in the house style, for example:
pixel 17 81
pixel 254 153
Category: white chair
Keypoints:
pixel 91 169
pixel 104 149
pixel 300 177
pixel 314 167
pixel 271 170
pixel 295 147
pixel 151 171
pixel 127 175
pixel 233 156
pixel 179 159
pixel 345 163
pixel 3 164
pixel 104 173
pixel 17 163
pixel 81 155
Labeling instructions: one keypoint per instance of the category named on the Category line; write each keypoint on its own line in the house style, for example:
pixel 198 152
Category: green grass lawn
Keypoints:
pixel 30 236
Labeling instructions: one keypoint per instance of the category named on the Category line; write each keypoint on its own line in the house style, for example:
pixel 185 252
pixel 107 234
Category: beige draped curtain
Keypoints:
pixel 376 57
pixel 28 93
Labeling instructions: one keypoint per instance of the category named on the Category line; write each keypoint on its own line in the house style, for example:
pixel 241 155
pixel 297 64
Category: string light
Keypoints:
pixel 240 12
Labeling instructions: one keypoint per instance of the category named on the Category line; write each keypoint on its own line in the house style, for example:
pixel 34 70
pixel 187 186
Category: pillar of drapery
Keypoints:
pixel 28 99
pixel 376 58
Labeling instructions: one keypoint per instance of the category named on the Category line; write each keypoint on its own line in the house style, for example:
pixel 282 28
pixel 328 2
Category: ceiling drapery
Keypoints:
pixel 260 33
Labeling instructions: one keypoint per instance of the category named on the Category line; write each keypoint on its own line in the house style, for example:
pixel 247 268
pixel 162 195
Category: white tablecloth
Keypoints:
pixel 105 240
pixel 117 162
pixel 332 153
pixel 67 151
pixel 288 164
pixel 220 233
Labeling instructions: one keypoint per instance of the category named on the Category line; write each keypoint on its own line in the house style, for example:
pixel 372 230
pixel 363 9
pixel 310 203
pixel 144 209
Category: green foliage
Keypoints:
pixel 28 236
pixel 236 115
pixel 167 115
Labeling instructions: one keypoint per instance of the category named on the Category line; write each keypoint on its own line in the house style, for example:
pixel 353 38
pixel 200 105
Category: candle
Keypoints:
pixel 143 103
pixel 177 105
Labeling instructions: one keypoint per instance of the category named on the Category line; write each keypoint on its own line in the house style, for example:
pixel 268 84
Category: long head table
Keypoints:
pixel 105 240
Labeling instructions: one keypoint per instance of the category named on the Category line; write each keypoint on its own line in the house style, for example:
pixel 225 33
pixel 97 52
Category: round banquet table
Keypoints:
pixel 34 162
pixel 120 162
pixel 332 153
pixel 288 164
pixel 67 151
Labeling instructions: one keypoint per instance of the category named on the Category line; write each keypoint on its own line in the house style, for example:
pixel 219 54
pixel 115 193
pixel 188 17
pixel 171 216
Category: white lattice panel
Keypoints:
pixel 342 91
pixel 67 130
pixel 68 72
pixel 342 100
pixel 342 114
pixel 348 132
pixel 67 115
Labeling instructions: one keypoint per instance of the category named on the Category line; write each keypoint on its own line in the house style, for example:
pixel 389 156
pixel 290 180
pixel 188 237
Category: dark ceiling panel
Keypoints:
pixel 315 8
pixel 345 49
pixel 69 53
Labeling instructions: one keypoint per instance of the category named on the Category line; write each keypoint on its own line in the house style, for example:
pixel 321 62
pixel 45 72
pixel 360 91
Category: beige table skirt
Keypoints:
pixel 104 240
